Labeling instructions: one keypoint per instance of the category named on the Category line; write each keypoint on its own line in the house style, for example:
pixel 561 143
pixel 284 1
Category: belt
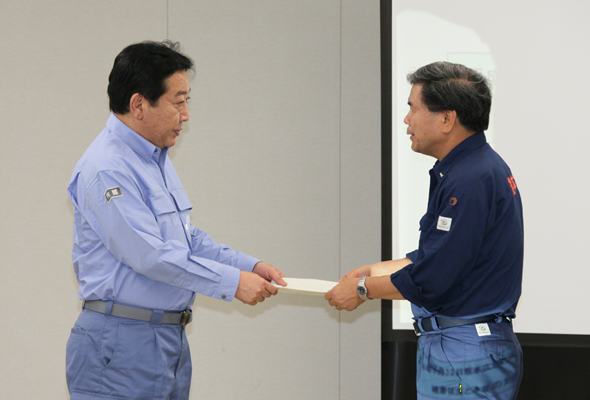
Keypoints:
pixel 424 325
pixel 139 314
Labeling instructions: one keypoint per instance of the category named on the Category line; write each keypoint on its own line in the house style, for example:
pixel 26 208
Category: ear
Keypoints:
pixel 136 106
pixel 449 119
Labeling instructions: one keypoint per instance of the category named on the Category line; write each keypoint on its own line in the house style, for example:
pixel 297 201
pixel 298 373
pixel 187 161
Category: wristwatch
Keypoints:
pixel 361 289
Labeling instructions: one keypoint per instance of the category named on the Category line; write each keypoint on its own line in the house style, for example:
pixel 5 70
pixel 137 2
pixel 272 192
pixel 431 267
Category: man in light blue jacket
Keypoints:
pixel 138 259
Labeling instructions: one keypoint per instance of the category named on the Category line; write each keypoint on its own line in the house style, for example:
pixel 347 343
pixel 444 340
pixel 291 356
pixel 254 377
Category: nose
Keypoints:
pixel 184 115
pixel 407 119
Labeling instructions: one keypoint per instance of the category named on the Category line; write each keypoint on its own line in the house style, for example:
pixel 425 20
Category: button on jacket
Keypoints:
pixel 134 243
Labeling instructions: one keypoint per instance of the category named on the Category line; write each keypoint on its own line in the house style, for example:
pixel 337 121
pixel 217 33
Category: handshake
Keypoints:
pixel 346 294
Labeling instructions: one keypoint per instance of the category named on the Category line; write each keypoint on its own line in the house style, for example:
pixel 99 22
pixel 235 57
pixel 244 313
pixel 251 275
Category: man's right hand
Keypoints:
pixel 253 289
pixel 359 272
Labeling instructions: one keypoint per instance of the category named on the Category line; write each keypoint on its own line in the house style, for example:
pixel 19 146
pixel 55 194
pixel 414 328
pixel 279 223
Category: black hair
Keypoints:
pixel 143 68
pixel 454 87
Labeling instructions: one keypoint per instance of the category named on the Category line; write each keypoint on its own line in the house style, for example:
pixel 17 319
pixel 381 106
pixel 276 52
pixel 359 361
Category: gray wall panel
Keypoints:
pixel 264 147
pixel 361 192
pixel 54 62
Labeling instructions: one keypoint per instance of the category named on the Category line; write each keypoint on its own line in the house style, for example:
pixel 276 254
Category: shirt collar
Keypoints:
pixel 140 145
pixel 441 168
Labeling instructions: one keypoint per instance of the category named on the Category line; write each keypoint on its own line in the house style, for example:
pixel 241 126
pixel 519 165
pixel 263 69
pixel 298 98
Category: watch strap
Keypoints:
pixel 362 289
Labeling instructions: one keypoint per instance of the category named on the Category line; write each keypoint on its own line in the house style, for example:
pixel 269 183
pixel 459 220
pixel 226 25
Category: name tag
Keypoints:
pixel 444 223
pixel 483 329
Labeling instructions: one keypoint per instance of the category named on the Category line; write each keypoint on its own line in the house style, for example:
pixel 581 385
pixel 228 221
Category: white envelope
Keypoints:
pixel 315 287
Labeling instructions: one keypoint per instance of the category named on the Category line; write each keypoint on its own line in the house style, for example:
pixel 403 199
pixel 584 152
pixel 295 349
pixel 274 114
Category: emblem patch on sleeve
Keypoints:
pixel 112 193
pixel 444 223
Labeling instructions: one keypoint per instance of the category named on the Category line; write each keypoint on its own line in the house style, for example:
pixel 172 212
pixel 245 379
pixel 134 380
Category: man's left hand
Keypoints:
pixel 269 273
pixel 344 296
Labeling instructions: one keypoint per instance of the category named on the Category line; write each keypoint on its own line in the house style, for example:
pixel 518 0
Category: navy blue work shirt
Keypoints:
pixel 470 256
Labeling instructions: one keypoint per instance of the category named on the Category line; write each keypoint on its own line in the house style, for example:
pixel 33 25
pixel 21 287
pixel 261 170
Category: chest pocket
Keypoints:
pixel 181 199
pixel 184 208
pixel 167 216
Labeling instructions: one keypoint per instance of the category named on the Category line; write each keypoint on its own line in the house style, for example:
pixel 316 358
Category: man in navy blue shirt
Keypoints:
pixel 138 259
pixel 464 280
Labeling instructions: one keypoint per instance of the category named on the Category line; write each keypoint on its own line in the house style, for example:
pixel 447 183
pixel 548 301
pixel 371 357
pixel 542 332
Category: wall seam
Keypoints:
pixel 340 207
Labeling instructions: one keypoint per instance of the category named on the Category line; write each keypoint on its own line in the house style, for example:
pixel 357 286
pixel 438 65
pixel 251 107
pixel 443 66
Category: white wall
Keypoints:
pixel 537 54
pixel 280 160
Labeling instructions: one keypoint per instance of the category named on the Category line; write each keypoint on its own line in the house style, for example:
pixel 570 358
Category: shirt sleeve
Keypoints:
pixel 204 246
pixel 144 240
pixel 450 239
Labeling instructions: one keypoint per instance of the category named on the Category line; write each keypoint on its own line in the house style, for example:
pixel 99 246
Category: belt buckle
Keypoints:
pixel 185 317
pixel 417 329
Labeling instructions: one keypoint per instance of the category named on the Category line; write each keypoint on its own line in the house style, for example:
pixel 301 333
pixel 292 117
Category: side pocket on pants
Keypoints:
pixel 76 354
pixel 499 349
pixel 109 340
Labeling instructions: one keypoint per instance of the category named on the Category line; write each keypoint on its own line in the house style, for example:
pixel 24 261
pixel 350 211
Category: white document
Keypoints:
pixel 306 286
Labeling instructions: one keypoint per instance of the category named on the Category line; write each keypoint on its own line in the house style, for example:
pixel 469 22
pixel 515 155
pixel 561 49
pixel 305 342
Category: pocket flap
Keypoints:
pixel 161 203
pixel 181 199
